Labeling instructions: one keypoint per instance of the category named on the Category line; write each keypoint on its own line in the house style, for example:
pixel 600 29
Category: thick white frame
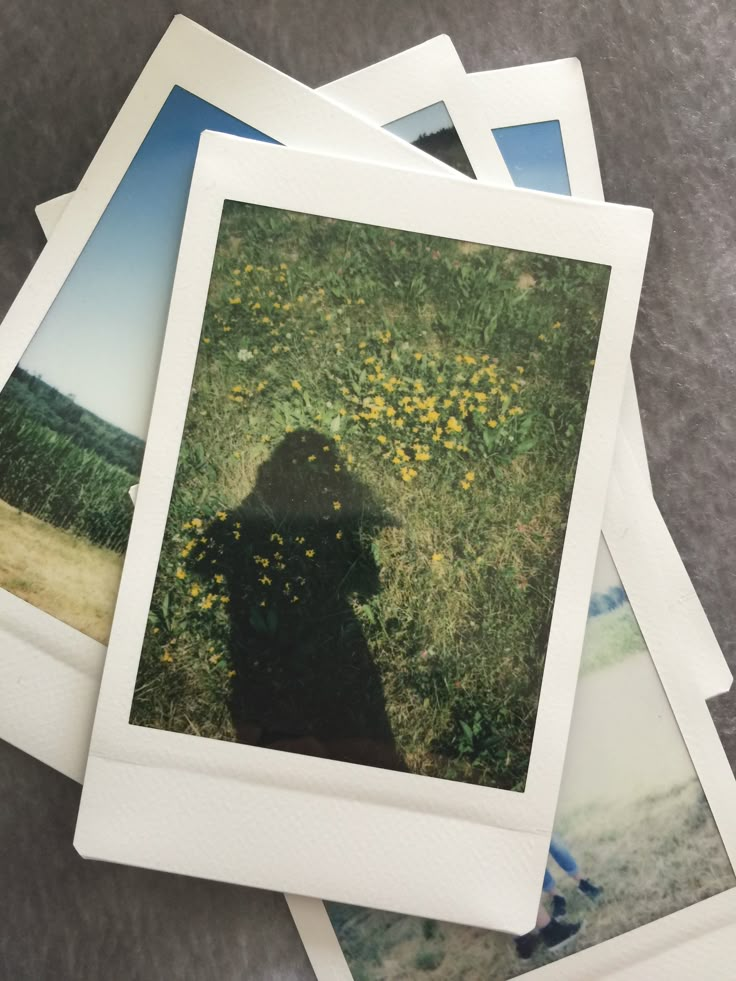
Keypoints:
pixel 150 795
pixel 54 667
pixel 697 941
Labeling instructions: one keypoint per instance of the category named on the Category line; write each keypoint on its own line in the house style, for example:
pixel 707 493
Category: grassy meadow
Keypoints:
pixel 368 512
pixel 668 857
pixel 35 564
pixel 64 505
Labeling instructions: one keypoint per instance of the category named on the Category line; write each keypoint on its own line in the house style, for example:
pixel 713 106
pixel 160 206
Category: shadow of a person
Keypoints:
pixel 294 554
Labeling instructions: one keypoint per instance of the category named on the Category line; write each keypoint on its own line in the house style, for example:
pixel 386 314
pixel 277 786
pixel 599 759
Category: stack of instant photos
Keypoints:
pixel 358 587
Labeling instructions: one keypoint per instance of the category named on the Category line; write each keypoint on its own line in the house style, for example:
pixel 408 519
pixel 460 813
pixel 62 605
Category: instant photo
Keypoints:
pixel 369 408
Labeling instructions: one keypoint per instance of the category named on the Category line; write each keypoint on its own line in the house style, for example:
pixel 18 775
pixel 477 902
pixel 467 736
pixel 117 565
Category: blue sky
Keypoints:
pixel 535 156
pixel 101 339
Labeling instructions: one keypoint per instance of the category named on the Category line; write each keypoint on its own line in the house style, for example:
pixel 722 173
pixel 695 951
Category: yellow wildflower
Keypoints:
pixel 180 574
pixel 437 556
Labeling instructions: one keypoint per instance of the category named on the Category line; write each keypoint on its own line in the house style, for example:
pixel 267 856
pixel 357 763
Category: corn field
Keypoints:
pixel 48 476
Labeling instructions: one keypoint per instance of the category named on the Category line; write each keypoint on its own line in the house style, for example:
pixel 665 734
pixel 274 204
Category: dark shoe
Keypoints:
pixel 556 935
pixel 526 945
pixel 559 907
pixel 587 888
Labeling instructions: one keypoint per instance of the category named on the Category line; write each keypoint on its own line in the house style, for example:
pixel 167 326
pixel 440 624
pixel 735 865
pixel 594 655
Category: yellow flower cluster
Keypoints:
pixel 431 408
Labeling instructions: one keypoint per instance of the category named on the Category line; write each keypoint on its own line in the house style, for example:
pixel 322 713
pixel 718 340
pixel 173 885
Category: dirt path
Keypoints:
pixel 58 572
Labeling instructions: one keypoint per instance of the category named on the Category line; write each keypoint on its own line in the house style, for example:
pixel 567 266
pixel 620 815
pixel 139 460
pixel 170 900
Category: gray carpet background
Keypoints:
pixel 661 76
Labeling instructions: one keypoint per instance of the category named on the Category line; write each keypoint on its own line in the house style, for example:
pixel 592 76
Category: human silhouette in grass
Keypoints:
pixel 295 555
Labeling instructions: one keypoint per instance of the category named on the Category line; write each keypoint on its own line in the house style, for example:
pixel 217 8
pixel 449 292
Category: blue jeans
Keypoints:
pixel 564 859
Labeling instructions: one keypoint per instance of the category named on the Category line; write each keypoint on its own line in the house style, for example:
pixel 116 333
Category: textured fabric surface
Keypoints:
pixel 660 76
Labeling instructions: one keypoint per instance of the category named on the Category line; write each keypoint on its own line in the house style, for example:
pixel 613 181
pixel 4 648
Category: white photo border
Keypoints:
pixel 484 837
pixel 696 941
